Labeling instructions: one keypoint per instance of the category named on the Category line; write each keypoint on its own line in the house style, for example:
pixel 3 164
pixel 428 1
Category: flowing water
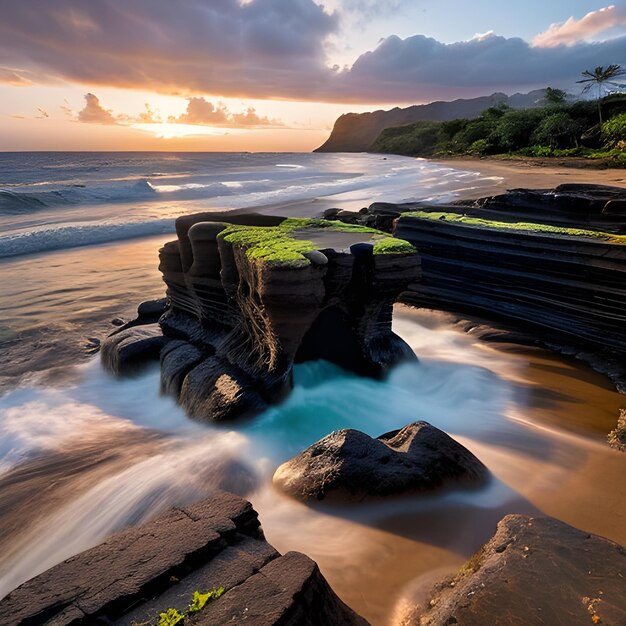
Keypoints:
pixel 83 454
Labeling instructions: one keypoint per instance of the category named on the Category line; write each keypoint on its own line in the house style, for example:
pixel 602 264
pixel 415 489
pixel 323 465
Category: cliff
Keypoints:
pixel 355 132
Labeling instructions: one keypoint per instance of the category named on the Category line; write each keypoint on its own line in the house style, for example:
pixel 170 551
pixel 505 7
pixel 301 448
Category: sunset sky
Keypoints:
pixel 272 74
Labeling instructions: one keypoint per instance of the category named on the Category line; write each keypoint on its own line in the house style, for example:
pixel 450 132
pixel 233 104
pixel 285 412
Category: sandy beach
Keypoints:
pixel 538 174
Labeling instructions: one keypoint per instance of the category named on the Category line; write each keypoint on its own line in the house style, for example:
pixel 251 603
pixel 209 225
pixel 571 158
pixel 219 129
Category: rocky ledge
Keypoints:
pixel 560 280
pixel 250 295
pixel 208 563
pixel 350 465
pixel 549 263
pixel 533 572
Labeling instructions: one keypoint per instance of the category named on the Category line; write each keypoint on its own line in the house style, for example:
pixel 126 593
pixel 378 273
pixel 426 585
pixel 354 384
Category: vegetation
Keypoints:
pixel 458 218
pixel 172 616
pixel 276 244
pixel 600 77
pixel 558 129
pixel 200 599
pixel 617 437
pixel 391 245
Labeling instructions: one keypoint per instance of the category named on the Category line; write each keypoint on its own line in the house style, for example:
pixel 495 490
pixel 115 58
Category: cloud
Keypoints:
pixel 94 113
pixel 272 49
pixel 149 116
pixel 13 77
pixel 251 118
pixel 421 68
pixel 202 112
pixel 265 48
pixel 573 31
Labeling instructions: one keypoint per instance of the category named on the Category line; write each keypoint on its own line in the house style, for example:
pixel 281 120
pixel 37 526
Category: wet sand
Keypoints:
pixel 531 174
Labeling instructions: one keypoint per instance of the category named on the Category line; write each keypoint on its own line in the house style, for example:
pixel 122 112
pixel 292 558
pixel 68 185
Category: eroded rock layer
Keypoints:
pixel 560 280
pixel 249 295
pixel 157 569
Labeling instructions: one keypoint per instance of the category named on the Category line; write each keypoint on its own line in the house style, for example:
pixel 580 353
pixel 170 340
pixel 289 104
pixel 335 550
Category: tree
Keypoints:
pixel 557 130
pixel 554 96
pixel 600 77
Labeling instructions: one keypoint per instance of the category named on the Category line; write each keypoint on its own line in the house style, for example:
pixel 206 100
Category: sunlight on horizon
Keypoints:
pixel 169 130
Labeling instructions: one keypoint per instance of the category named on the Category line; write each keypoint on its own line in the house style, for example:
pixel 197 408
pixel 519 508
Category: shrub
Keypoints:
pixel 614 130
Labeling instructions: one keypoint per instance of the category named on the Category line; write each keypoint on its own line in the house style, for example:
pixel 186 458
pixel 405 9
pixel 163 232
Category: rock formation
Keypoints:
pixel 249 295
pixel 569 282
pixel 212 553
pixel 534 571
pixel 348 464
pixel 551 262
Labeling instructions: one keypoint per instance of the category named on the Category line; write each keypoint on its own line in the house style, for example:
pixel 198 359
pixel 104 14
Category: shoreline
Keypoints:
pixel 531 174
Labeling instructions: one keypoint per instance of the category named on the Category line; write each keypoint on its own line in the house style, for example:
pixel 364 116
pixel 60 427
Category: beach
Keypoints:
pixel 86 454
pixel 534 173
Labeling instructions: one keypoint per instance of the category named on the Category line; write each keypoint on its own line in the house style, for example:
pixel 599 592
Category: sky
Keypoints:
pixel 272 75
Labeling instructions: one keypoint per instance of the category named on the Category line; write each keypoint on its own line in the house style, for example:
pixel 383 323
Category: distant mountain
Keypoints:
pixel 355 132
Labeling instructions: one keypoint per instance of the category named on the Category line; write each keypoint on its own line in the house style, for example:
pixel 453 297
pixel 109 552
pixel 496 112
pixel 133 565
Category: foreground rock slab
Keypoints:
pixel 534 571
pixel 348 464
pixel 140 573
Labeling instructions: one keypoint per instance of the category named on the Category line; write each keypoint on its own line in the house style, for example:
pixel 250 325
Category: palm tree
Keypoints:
pixel 600 77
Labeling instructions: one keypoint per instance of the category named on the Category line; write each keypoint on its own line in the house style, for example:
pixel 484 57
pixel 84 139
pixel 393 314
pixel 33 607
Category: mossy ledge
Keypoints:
pixel 535 228
pixel 249 295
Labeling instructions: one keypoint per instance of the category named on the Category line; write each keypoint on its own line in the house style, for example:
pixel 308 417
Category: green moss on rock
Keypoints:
pixel 391 245
pixel 533 227
pixel 276 244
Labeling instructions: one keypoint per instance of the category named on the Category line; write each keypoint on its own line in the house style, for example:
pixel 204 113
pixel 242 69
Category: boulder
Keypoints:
pixel 533 572
pixel 350 465
pixel 140 573
pixel 127 351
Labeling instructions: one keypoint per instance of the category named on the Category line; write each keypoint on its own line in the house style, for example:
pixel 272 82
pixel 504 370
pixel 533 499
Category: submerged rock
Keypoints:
pixel 349 464
pixel 129 349
pixel 249 295
pixel 533 572
pixel 140 573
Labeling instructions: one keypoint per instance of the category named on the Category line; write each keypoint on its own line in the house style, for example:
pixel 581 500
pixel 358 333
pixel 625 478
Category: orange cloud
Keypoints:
pixel 201 111
pixel 573 31
pixel 94 113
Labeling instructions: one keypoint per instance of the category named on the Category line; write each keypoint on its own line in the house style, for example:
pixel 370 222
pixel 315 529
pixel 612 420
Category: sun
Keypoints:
pixel 168 130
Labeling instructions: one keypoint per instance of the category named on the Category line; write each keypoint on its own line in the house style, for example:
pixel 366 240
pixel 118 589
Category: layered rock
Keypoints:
pixel 594 207
pixel 350 465
pixel 250 295
pixel 214 546
pixel 557 280
pixel 533 572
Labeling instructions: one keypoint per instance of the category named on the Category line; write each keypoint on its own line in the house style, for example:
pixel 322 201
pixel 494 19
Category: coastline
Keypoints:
pixel 532 174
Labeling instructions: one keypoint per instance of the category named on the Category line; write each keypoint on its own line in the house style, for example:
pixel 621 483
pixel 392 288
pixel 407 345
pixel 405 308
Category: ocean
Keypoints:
pixel 83 454
pixel 52 201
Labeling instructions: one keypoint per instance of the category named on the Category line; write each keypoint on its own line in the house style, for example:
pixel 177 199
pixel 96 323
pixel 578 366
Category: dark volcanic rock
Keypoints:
pixel 600 207
pixel 249 295
pixel 126 351
pixel 141 572
pixel 534 572
pixel 545 275
pixel 348 464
